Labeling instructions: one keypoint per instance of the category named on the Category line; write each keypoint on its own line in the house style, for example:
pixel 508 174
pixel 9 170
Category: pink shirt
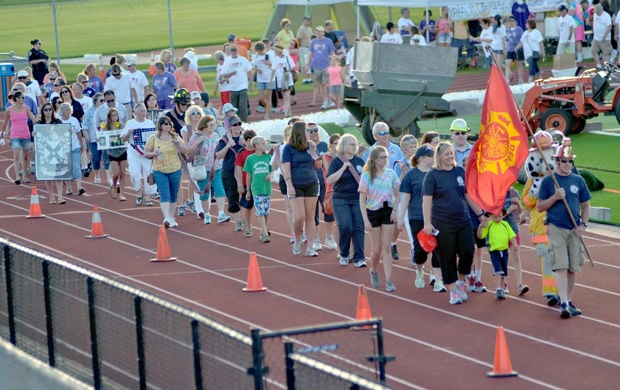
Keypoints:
pixel 191 82
pixel 335 77
pixel 19 123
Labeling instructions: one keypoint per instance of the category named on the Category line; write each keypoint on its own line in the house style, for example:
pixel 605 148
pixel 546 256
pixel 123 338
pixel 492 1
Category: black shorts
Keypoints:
pixel 515 55
pixel 122 157
pixel 282 184
pixel 246 204
pixel 380 217
pixel 307 191
pixel 480 242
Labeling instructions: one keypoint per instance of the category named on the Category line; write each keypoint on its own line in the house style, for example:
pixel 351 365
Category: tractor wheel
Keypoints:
pixel 557 119
pixel 578 125
pixel 617 110
pixel 367 130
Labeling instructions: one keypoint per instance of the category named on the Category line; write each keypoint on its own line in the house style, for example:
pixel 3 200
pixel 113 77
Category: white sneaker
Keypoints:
pixel 330 243
pixel 260 109
pixel 316 245
pixel 325 105
pixel 173 222
pixel 332 104
pixel 223 218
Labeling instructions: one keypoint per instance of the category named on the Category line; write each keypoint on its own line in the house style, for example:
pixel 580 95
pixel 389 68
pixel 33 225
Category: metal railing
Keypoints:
pixel 110 335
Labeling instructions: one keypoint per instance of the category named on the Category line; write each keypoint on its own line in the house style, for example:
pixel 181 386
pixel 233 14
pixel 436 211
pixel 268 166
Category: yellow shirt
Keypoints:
pixel 169 160
pixel 285 38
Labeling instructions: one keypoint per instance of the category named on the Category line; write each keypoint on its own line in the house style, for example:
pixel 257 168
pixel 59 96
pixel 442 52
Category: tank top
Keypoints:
pixel 19 124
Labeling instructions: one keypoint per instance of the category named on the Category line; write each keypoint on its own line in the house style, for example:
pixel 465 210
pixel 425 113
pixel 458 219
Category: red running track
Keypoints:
pixel 436 345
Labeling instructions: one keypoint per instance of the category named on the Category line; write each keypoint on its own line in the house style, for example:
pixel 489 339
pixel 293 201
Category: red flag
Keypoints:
pixel 494 161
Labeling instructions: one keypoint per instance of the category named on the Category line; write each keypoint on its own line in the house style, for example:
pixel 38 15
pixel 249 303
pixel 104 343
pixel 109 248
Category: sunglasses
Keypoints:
pixel 116 74
pixel 383 133
pixel 167 123
pixel 195 113
pixel 312 131
pixel 84 82
pixel 65 91
pixel 183 104
pixel 564 161
pixel 459 132
pixel 52 79
pixel 47 109
pixel 57 85
pixel 22 77
pixel 236 125
pixel 110 101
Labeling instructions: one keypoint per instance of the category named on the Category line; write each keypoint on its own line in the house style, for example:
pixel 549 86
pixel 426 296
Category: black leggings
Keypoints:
pixel 452 241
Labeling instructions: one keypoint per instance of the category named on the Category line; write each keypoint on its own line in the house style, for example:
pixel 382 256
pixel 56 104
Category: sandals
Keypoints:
pixel 122 198
pixel 112 192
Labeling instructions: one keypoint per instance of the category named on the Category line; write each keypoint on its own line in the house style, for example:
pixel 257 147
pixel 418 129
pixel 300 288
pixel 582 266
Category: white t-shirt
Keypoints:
pixel 391 38
pixel 121 87
pixel 486 38
pixel 141 131
pixel 600 25
pixel 531 42
pixel 565 23
pixel 263 71
pixel 221 84
pixel 278 64
pixel 404 22
pixel 86 103
pixel 139 82
pixel 75 129
pixel 33 89
pixel 499 37
pixel 240 65
pixel 420 38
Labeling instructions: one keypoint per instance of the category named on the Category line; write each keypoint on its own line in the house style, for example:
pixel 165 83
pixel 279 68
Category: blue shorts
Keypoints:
pixel 244 202
pixel 21 143
pixel 261 86
pixel 499 260
pixel 76 164
pixel 262 204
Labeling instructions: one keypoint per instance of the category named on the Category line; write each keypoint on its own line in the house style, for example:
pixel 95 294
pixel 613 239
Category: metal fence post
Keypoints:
pixel 47 298
pixel 197 363
pixel 137 304
pixel 290 366
pixel 257 369
pixel 94 347
pixel 9 295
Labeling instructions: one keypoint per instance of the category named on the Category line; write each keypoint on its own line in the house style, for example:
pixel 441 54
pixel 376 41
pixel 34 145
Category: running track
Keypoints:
pixel 436 345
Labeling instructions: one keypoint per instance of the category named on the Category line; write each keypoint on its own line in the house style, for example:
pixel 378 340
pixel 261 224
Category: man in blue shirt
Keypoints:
pixel 564 237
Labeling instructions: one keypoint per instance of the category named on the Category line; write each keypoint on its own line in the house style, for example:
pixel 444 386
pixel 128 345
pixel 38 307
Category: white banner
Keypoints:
pixel 52 146
pixel 467 10
pixel 110 139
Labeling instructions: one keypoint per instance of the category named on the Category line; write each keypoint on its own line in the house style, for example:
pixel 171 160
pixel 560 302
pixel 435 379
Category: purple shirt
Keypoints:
pixel 321 49
pixel 163 86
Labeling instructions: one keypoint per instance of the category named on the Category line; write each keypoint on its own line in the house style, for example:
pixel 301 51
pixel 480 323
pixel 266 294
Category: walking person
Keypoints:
pixel 444 208
pixel 321 48
pixel 259 171
pixel 165 148
pixel 38 60
pixel 566 250
pixel 137 131
pixel 379 195
pixel 227 149
pixel 532 43
pixel 65 115
pixel 118 158
pixel 343 175
pixel 300 159
pixel 16 122
pixel 53 187
pixel 411 209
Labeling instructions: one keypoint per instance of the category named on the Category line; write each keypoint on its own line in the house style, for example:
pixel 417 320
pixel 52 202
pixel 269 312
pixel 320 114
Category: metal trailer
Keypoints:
pixel 397 83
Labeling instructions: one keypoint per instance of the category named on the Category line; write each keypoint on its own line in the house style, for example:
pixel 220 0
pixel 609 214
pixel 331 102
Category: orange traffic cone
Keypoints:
pixel 502 367
pixel 163 250
pixel 363 309
pixel 96 228
pixel 35 207
pixel 152 65
pixel 255 281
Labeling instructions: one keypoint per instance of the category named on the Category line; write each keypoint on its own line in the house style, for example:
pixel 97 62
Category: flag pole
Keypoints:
pixel 547 166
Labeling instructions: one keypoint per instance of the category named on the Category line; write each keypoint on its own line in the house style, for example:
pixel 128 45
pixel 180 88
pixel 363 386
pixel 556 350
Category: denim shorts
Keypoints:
pixel 21 143
pixel 261 86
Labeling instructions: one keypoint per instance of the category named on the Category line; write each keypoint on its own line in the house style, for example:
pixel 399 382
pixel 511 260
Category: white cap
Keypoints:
pixel 130 61
pixel 227 107
pixel 195 95
pixel 22 73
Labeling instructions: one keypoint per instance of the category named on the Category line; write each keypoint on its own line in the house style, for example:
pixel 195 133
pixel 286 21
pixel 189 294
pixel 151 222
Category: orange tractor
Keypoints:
pixel 565 103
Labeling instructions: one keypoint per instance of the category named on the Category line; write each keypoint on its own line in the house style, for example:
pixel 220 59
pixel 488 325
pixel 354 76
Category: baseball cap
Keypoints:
pixel 228 107
pixel 22 73
pixel 562 8
pixel 320 28
pixel 231 37
pixel 131 61
pixel 234 120
pixel 424 150
pixel 195 95
pixel 307 18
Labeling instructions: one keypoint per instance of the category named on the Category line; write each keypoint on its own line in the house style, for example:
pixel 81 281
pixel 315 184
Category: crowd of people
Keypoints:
pixel 171 132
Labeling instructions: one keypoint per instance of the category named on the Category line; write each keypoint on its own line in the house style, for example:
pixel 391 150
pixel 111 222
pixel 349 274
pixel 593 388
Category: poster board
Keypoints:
pixel 110 139
pixel 52 145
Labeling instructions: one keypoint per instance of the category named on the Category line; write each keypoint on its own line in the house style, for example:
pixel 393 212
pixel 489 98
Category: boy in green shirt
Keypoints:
pixel 499 236
pixel 258 172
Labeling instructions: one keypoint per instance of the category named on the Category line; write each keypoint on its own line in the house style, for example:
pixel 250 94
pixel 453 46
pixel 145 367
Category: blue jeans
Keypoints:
pixel 168 185
pixel 96 156
pixel 350 227
pixel 533 66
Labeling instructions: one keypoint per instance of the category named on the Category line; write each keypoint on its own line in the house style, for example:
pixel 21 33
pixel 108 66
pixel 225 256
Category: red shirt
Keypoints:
pixel 240 162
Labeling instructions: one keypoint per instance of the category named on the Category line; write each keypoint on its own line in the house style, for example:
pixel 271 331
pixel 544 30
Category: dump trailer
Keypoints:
pixel 397 83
